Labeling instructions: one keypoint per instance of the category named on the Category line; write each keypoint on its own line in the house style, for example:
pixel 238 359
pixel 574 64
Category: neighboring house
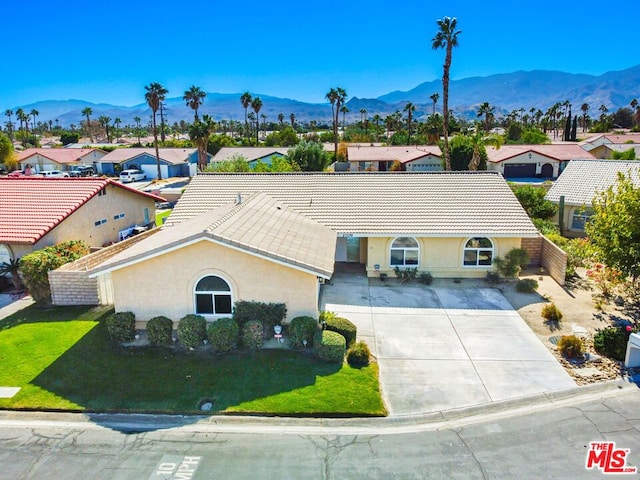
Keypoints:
pixel 252 155
pixel 38 212
pixel 40 159
pixel 608 150
pixel 533 161
pixel 601 145
pixel 580 183
pixel 412 158
pixel 174 162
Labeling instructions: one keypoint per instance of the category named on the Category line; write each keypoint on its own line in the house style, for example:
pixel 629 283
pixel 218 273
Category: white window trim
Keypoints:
pixel 212 316
pixel 99 223
pixel 477 250
pixel 404 256
pixel 584 214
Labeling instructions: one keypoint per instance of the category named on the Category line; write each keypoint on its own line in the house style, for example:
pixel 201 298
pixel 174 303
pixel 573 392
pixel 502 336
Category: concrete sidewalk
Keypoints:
pixel 10 304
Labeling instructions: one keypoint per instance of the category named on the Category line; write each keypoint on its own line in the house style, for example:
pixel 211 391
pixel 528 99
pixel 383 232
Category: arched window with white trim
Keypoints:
pixel 213 296
pixel 404 252
pixel 478 252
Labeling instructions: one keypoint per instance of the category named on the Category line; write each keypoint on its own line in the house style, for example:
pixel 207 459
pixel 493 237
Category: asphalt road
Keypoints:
pixel 551 443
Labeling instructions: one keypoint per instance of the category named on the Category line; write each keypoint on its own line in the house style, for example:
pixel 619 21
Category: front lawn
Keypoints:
pixel 63 359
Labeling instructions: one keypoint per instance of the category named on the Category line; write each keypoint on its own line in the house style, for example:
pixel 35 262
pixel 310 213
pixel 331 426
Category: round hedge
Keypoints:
pixel 330 346
pixel 359 354
pixel 223 334
pixel 192 330
pixel 252 335
pixel 344 327
pixel 300 329
pixel 122 327
pixel 159 331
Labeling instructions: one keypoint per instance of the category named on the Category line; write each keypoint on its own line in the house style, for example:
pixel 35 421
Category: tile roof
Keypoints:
pixel 169 155
pixel 564 152
pixel 447 204
pixel 403 154
pixel 59 155
pixel 582 180
pixel 259 225
pixel 250 153
pixel 31 207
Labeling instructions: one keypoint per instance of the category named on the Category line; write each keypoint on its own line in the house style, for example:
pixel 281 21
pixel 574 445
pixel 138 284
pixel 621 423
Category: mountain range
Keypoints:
pixel 507 92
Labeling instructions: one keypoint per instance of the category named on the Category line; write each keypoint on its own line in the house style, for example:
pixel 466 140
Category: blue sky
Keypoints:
pixel 107 51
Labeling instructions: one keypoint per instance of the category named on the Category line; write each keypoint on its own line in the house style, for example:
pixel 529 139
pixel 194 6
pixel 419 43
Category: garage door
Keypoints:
pixel 520 170
pixel 152 171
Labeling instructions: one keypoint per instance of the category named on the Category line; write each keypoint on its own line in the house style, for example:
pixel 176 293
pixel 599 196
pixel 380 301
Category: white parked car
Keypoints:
pixel 53 174
pixel 132 175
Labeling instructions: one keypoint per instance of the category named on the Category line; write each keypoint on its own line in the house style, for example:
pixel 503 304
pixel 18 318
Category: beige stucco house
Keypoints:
pixel 604 144
pixel 412 158
pixel 42 159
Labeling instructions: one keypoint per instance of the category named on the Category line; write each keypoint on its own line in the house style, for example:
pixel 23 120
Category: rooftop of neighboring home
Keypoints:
pixel 582 180
pixel 249 153
pixel 258 225
pixel 173 156
pixel 559 152
pixel 94 145
pixel 31 207
pixel 403 154
pixel 58 155
pixel 444 204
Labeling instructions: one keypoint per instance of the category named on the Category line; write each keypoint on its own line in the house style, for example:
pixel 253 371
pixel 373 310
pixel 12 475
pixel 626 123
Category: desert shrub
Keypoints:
pixel 551 312
pixel 358 354
pixel 223 334
pixel 611 342
pixel 252 337
pixel 330 346
pixel 571 346
pixel 513 262
pixel 300 329
pixel 344 327
pixel 122 327
pixel 527 285
pixel 270 314
pixel 159 330
pixel 425 278
pixel 492 278
pixel 192 330
pixel 405 274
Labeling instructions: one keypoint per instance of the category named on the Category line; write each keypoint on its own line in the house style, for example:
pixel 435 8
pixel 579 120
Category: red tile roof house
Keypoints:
pixel 38 212
pixel 413 158
pixel 62 159
pixel 531 161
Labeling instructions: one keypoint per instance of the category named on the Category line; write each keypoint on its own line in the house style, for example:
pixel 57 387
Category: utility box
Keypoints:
pixel 632 358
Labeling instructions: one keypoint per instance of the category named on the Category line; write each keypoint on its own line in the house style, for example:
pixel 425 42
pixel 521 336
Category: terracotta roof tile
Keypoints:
pixel 59 155
pixel 556 152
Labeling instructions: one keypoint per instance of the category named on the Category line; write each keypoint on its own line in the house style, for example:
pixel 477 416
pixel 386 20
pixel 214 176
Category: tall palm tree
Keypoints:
pixel 292 118
pixel 480 141
pixel 256 106
pixel 20 117
pixel 137 120
pixel 194 98
pixel 344 110
pixel 337 97
pixel 409 108
pixel 104 123
pixel 281 118
pixel 34 113
pixel 634 109
pixel 447 38
pixel 585 116
pixel 87 112
pixel 155 95
pixel 363 116
pixel 434 98
pixel 200 133
pixel 245 100
pixel 487 110
pixel 8 112
pixel 116 124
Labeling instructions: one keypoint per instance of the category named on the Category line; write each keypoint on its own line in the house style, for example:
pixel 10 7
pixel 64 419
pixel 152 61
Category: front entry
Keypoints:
pixel 348 249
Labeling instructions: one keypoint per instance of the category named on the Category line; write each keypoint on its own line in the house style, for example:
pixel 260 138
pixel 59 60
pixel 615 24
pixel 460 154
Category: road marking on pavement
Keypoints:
pixel 176 467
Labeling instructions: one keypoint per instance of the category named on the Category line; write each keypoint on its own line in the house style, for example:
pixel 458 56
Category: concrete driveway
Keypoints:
pixel 444 347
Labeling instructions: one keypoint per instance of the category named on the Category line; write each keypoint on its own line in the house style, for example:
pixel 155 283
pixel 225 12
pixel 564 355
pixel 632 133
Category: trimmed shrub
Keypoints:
pixel 551 312
pixel 270 314
pixel 159 331
pixel 192 330
pixel 344 327
pixel 223 334
pixel 252 337
pixel 492 278
pixel 405 275
pixel 611 342
pixel 527 285
pixel 359 354
pixel 514 261
pixel 122 327
pixel 571 346
pixel 300 329
pixel 425 278
pixel 330 346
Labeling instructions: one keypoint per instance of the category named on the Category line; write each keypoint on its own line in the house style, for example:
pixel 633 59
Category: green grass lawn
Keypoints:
pixel 63 359
pixel 160 216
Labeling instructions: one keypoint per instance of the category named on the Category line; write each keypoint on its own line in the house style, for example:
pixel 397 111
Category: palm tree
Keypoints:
pixel 487 110
pixel 87 112
pixel 116 123
pixel 155 95
pixel 281 118
pixel 478 141
pixel 137 120
pixel 376 120
pixel 8 112
pixel 104 123
pixel 336 97
pixel 634 108
pixel 200 133
pixel 34 113
pixel 256 105
pixel 194 98
pixel 363 117
pixel 245 100
pixel 292 118
pixel 409 108
pixel 12 268
pixel 434 98
pixel 344 110
pixel 20 117
pixel 447 38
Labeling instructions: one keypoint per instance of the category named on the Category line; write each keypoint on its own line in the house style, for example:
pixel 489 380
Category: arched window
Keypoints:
pixel 213 296
pixel 478 252
pixel 405 251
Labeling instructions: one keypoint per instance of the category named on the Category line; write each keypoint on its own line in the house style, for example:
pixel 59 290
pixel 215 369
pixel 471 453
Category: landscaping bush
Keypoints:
pixel 359 354
pixel 122 327
pixel 425 278
pixel 611 342
pixel 551 312
pixel 492 278
pixel 223 334
pixel 159 331
pixel 300 329
pixel 344 327
pixel 571 346
pixel 270 314
pixel 330 346
pixel 514 261
pixel 252 337
pixel 192 330
pixel 527 285
pixel 405 274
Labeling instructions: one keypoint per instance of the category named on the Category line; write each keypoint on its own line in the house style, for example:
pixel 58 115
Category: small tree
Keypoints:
pixel 309 156
pixel 532 200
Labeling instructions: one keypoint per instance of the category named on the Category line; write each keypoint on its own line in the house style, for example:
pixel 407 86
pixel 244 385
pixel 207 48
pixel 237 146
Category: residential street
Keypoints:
pixel 550 443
